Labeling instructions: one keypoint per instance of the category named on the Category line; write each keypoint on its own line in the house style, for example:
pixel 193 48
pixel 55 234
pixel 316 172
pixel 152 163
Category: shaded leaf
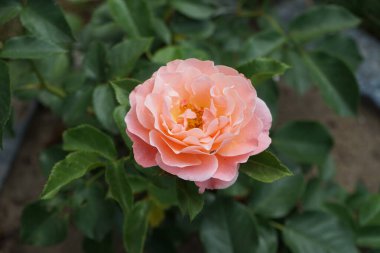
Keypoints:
pixel 45 20
pixel 189 199
pixel 104 246
pixel 298 75
pixel 193 9
pixel 119 114
pixel 119 187
pixel 369 213
pixel 49 157
pixel 104 102
pixel 9 9
pixel 123 56
pixel 123 17
pixel 343 48
pixel 275 200
pixel 228 227
pixel 41 226
pixel 261 44
pixel 321 20
pixel 267 241
pixel 95 62
pixel 317 232
pixel 369 237
pixel 26 47
pixel 303 141
pixel 94 216
pixel 136 227
pixel 337 83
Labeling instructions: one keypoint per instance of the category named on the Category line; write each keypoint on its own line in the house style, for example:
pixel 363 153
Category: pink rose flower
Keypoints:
pixel 197 121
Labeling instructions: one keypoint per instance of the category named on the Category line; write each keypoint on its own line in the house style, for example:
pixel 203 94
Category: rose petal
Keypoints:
pixel 214 183
pixel 201 172
pixel 144 154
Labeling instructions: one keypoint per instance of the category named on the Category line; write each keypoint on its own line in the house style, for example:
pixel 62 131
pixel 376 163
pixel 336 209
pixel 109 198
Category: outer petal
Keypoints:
pixel 144 154
pixel 201 172
pixel 214 183
pixel 227 170
pixel 245 142
pixel 263 113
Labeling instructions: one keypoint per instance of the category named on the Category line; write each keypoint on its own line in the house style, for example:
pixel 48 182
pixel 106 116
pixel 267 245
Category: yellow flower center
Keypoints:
pixel 197 122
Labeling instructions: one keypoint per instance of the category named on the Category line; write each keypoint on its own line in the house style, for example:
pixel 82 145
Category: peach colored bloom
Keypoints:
pixel 197 121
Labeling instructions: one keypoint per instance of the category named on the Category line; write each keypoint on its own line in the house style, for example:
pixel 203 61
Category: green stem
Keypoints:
pixel 277 225
pixel 95 177
pixel 52 89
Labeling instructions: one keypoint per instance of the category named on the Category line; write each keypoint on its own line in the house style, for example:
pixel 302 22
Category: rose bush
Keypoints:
pixel 197 121
pixel 202 123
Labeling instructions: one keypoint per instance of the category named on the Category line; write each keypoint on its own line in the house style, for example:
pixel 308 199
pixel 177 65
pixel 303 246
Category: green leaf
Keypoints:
pixel 104 102
pixel 76 105
pixel 90 139
pixel 94 215
pixel 267 241
pixel 122 15
pixel 41 226
pixel 9 9
pixel 49 157
pixel 123 88
pixel 95 62
pixel 298 75
pixel 170 53
pixel 265 167
pixel 5 98
pixel 189 199
pixel 337 83
pixel 158 25
pixel 369 213
pixel 303 141
pixel 343 213
pixel 26 47
pixel 275 200
pixel 74 166
pixel 193 10
pixel 119 187
pixel 161 30
pixel 136 227
pixel 327 169
pixel 118 116
pixel 228 227
pixel 261 44
pixel 261 69
pixel 321 20
pixel 192 29
pixel 45 20
pixel 123 56
pixel 343 48
pixel 317 232
pixel 368 237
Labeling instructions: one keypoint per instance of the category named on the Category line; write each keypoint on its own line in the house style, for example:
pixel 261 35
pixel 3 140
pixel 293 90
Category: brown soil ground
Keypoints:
pixel 356 153
pixel 357 139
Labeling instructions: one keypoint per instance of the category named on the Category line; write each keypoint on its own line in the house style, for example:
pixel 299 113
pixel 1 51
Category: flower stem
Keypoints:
pixel 50 88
